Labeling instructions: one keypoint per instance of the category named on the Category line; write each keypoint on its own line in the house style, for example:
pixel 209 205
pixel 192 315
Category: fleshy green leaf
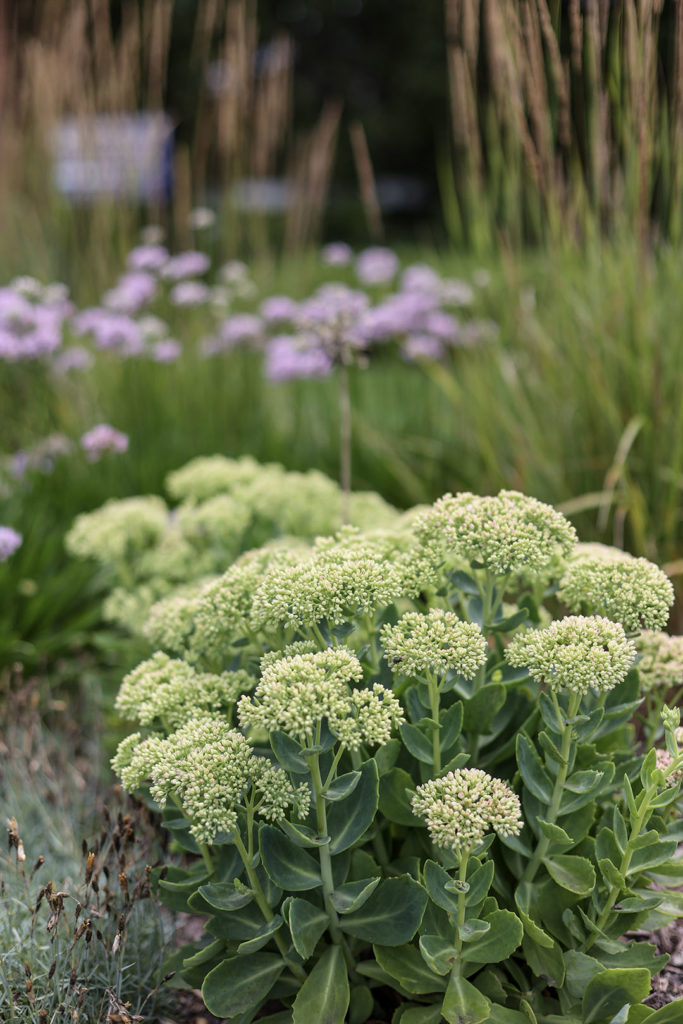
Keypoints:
pixel 306 924
pixel 464 1004
pixel 417 743
pixel 394 802
pixel 361 1004
pixel 324 996
pixel 224 895
pixel 353 895
pixel 534 775
pixel 240 982
pixel 349 818
pixel 608 991
pixel 672 1013
pixel 392 914
pixel 450 724
pixel 288 752
pixel 573 873
pixel 499 942
pixel 480 710
pixel 438 953
pixel 421 1015
pixel 436 880
pixel 289 866
pixel 258 941
pixel 342 787
pixel 303 836
pixel 405 964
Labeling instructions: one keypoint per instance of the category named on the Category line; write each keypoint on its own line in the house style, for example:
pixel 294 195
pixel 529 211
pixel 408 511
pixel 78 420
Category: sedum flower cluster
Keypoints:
pixel 660 663
pixel 345 576
pixel 464 805
pixel 211 770
pixel 297 692
pixel 119 530
pixel 605 581
pixel 169 691
pixel 577 653
pixel 507 533
pixel 437 643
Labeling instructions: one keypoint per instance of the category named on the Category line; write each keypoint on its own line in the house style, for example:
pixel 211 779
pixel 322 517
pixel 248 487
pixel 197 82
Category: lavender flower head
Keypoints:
pixel 296 356
pixel 166 351
pixel 10 540
pixel 336 254
pixel 147 257
pixel 279 309
pixel 190 293
pixel 186 264
pixel 103 439
pixel 376 265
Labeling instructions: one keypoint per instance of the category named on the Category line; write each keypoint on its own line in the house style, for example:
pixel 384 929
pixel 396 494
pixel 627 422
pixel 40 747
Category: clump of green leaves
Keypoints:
pixel 428 803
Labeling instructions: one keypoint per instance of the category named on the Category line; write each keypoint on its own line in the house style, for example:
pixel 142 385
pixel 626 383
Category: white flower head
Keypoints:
pixel 508 533
pixel 578 654
pixel 437 642
pixel 296 693
pixel 211 769
pixel 605 581
pixel 464 805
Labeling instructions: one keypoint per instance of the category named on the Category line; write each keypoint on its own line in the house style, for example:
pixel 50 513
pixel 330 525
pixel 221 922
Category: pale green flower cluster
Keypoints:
pixel 661 660
pixel 577 654
pixel 209 475
pixel 279 502
pixel 119 530
pixel 169 691
pixel 288 651
pixel 296 693
pixel 464 805
pixel 211 769
pixel 169 623
pixel 345 576
pixel 508 533
pixel 609 582
pixel 219 520
pixel 438 642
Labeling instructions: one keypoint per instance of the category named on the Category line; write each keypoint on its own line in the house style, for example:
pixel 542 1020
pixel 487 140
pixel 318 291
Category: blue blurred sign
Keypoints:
pixel 127 156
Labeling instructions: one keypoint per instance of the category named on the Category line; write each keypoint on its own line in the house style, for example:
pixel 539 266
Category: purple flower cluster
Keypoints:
pixel 103 440
pixel 10 540
pixel 31 319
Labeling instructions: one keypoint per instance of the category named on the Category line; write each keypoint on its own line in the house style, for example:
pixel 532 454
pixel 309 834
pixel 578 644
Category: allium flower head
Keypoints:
pixel 297 692
pixel 10 541
pixel 661 660
pixel 118 530
pixel 210 768
pixel 102 440
pixel 464 805
pixel 506 533
pixel 376 265
pixel 336 254
pixel 577 653
pixel 610 582
pixel 434 643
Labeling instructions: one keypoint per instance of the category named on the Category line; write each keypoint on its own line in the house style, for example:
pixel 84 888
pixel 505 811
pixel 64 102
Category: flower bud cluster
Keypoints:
pixel 220 520
pixel 508 533
pixel 296 693
pixel 207 476
pixel 437 643
pixel 344 577
pixel 169 691
pixel 661 660
pixel 605 581
pixel 211 769
pixel 577 654
pixel 464 805
pixel 118 530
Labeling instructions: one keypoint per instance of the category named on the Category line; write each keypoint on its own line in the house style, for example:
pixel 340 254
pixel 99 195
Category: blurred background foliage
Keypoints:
pixel 540 140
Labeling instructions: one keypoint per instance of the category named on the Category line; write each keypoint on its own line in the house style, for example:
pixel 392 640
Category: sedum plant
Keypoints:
pixel 410 787
pixel 223 507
